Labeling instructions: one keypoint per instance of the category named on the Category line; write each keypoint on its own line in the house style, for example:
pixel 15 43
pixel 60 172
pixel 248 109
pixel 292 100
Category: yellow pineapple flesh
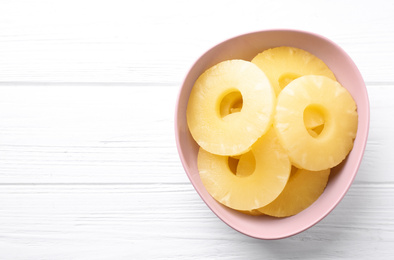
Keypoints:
pixel 254 120
pixel 328 99
pixel 233 131
pixel 284 64
pixel 253 212
pixel 303 188
pixel 248 190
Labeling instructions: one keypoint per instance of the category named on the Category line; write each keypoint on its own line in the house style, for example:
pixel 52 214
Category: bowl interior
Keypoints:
pixel 246 47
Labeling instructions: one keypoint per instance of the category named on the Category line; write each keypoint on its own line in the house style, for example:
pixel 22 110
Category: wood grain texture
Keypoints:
pixel 127 41
pixel 169 220
pixel 88 162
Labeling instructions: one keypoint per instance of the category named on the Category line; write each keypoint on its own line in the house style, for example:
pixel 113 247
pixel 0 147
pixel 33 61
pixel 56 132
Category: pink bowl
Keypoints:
pixel 246 47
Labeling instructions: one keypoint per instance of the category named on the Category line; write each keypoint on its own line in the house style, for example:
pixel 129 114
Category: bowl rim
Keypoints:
pixel 362 145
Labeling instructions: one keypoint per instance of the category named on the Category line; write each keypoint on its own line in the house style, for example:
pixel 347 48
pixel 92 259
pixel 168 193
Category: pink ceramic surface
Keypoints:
pixel 246 47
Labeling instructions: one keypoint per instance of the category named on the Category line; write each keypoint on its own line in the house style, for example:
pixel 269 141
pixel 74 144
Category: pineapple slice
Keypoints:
pixel 246 192
pixel 334 103
pixel 284 64
pixel 232 133
pixel 303 188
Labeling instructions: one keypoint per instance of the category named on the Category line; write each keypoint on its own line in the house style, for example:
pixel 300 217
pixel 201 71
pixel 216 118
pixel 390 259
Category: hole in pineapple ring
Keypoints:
pixel 233 164
pixel 243 165
pixel 314 119
pixel 231 103
pixel 286 78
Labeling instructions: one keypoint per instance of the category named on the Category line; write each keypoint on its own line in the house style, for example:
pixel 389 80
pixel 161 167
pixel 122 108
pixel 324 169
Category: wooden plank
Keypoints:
pixel 88 134
pixel 126 41
pixel 169 220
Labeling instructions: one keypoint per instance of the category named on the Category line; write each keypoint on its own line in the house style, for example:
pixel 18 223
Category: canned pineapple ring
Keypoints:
pixel 327 97
pixel 236 132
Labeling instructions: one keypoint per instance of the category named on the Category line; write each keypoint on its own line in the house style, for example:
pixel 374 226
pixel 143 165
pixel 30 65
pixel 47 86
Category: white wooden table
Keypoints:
pixel 88 162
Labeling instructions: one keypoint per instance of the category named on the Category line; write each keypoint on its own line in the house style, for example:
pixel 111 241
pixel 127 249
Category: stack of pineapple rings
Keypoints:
pixel 270 130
